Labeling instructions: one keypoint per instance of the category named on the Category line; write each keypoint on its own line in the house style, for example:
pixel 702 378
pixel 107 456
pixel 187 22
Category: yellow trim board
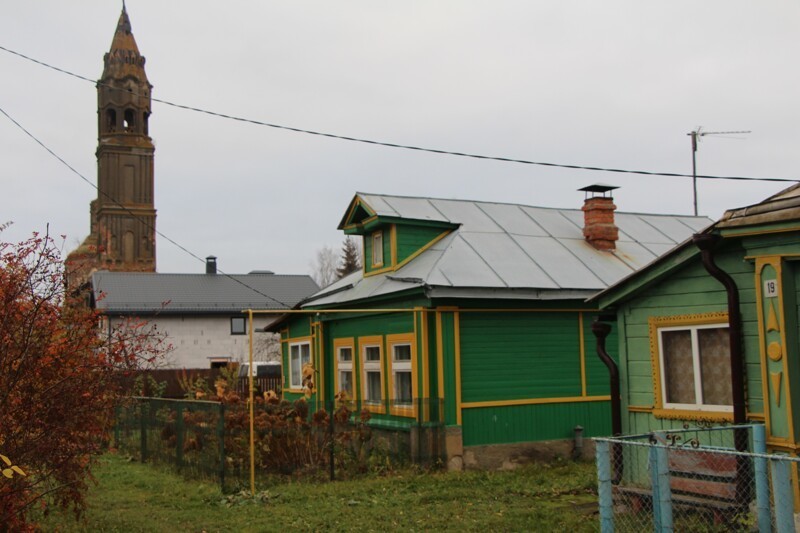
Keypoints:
pixel 582 353
pixel 439 356
pixel 535 401
pixel 457 349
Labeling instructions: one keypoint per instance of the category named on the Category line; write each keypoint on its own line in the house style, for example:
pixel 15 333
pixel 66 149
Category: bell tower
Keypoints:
pixel 123 217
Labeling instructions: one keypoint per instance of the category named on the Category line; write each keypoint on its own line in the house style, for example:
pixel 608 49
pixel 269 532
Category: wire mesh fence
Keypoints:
pixel 695 479
pixel 333 441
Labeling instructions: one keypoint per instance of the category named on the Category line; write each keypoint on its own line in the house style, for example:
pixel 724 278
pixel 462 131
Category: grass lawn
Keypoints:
pixel 539 497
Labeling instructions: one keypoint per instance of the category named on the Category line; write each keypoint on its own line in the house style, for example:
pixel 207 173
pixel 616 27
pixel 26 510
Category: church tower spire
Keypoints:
pixel 123 216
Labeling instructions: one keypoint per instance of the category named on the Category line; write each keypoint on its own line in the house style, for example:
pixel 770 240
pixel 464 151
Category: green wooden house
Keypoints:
pixel 674 325
pixel 473 315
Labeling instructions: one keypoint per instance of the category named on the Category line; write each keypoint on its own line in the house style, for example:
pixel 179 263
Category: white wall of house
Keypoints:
pixel 197 340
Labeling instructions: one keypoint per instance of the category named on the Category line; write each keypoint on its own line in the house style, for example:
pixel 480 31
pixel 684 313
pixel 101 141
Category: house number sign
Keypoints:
pixel 770 288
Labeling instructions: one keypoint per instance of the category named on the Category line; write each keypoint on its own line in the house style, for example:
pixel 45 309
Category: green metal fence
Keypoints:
pixel 211 440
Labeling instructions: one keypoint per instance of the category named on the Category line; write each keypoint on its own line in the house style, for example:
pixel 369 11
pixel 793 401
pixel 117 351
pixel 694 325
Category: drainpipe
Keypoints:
pixel 601 331
pixel 706 242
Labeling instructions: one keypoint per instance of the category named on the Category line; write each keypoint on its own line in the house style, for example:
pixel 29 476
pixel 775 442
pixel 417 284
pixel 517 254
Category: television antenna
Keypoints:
pixel 696 135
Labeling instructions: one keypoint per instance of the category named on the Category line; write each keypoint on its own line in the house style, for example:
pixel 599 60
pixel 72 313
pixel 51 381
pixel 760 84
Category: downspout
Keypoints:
pixel 601 331
pixel 706 242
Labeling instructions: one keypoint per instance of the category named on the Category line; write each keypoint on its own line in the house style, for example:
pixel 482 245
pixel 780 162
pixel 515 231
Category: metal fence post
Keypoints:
pixel 604 489
pixel 762 482
pixel 221 438
pixel 143 429
pixel 784 498
pixel 662 494
pixel 332 429
pixel 117 422
pixel 179 437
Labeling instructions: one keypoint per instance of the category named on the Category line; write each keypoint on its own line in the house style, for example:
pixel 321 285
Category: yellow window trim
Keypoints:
pixel 654 324
pixel 391 341
pixel 348 342
pixel 371 340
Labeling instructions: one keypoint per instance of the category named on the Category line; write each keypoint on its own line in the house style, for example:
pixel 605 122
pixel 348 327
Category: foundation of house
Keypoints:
pixel 511 456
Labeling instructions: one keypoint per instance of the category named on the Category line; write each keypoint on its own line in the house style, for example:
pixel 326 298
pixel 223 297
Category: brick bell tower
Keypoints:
pixel 123 217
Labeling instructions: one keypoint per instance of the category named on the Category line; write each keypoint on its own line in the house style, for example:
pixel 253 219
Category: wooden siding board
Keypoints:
pixel 689 290
pixel 526 423
pixel 507 356
pixel 411 239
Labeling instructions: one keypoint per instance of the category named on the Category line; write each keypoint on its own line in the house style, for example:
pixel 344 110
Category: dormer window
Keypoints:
pixel 377 249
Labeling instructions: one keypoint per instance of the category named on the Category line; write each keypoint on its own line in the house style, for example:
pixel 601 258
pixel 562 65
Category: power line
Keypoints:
pixel 131 213
pixel 397 145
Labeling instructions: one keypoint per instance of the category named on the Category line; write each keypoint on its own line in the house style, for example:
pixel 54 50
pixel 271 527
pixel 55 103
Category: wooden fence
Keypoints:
pixel 172 377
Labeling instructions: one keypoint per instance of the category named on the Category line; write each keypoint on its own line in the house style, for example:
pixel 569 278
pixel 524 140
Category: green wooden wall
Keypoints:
pixel 410 239
pixel 688 291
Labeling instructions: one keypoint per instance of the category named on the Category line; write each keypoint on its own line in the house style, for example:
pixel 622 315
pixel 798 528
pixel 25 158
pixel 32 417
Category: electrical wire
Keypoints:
pixel 397 145
pixel 132 214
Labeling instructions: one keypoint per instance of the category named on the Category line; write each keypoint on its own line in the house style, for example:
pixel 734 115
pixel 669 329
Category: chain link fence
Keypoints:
pixel 211 440
pixel 695 479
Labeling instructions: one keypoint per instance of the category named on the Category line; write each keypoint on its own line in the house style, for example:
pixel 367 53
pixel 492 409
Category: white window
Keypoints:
pixel 402 395
pixel 377 248
pixel 344 365
pixel 299 354
pixel 695 367
pixel 372 374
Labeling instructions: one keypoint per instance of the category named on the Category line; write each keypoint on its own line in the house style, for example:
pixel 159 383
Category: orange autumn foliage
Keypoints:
pixel 59 381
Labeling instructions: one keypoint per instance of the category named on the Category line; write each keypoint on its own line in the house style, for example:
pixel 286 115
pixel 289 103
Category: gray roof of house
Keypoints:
pixel 146 293
pixel 512 251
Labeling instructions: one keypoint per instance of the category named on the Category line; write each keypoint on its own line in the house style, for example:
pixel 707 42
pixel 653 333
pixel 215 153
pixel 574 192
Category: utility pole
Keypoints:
pixel 696 135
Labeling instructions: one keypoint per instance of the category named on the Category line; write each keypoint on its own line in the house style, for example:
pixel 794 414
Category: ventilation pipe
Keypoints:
pixel 211 265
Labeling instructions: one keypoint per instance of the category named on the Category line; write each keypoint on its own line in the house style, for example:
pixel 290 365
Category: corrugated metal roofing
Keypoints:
pixel 136 292
pixel 512 247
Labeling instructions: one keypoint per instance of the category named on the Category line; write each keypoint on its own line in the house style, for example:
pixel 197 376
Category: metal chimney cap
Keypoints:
pixel 599 187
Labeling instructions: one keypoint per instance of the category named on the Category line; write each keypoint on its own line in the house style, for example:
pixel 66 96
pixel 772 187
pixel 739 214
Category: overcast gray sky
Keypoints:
pixel 609 84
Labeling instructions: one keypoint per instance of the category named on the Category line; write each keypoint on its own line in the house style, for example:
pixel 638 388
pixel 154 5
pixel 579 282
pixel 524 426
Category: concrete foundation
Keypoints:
pixel 511 456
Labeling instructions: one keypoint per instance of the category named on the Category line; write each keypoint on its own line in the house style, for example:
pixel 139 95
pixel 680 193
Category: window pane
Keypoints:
pixel 345 354
pixel 402 352
pixel 715 365
pixel 305 353
pixel 374 387
pixel 238 326
pixel 377 249
pixel 372 353
pixel 402 387
pixel 678 366
pixel 295 366
pixel 346 382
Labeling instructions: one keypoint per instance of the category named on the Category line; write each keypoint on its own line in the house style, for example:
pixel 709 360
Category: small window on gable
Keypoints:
pixel 377 249
pixel 238 325
pixel 693 361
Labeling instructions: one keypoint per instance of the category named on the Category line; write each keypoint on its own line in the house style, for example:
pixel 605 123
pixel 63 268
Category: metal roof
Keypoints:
pixel 537 251
pixel 137 292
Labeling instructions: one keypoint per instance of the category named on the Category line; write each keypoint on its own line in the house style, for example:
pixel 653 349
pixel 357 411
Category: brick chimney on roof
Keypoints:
pixel 598 217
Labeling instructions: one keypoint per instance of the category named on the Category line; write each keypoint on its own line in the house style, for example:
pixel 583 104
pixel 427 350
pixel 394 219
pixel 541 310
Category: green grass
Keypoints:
pixel 133 497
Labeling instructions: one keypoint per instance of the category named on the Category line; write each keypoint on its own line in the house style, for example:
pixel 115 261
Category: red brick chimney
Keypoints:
pixel 598 217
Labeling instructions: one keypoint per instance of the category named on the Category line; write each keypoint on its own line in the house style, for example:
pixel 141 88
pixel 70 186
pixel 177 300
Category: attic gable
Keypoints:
pixel 357 212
